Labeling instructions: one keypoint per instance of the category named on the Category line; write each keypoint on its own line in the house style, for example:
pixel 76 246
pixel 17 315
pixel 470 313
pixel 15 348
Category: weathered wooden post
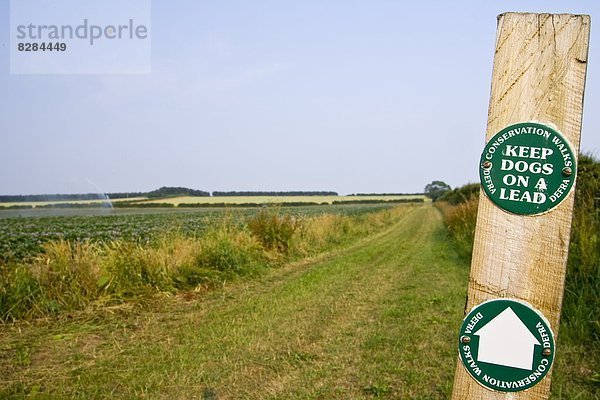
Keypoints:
pixel 528 170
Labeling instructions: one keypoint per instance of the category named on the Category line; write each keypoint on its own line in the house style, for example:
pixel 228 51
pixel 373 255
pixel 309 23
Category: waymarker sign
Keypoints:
pixel 506 345
pixel 527 168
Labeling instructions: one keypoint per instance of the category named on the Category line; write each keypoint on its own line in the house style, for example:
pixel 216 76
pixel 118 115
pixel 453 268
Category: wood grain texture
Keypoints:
pixel 539 75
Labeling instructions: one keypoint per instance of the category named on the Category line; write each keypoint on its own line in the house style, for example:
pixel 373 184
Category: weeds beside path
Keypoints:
pixel 377 319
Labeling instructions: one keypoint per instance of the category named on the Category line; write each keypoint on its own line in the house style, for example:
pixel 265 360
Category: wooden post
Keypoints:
pixel 538 75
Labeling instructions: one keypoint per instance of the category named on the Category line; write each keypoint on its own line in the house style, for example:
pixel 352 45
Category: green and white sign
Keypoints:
pixel 527 168
pixel 506 345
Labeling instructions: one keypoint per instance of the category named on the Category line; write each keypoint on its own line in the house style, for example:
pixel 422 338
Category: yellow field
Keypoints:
pixel 276 199
pixel 45 203
pixel 226 200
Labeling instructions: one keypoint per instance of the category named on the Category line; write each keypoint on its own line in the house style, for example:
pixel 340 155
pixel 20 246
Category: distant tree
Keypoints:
pixel 436 189
pixel 168 191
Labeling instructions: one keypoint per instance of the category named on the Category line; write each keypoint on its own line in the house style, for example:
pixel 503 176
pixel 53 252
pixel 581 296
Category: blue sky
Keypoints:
pixel 351 96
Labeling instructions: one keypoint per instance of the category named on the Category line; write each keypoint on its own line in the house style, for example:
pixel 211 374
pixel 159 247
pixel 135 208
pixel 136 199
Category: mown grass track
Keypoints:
pixel 375 320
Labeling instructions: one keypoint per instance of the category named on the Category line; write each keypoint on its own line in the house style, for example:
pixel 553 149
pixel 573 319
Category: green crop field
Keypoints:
pixel 24 232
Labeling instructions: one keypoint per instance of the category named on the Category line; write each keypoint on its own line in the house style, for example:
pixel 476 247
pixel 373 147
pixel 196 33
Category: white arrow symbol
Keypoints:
pixel 506 341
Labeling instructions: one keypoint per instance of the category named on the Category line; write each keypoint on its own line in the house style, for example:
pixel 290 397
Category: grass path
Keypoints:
pixel 375 320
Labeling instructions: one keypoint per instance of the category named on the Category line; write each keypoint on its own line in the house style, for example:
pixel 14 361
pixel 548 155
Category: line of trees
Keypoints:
pixel 170 191
pixel 288 193
pixel 50 197
pixel 386 194
pixel 379 201
pixel 164 191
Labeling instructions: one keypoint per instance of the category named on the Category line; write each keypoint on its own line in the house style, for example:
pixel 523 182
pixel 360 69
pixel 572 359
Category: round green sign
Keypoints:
pixel 506 345
pixel 527 168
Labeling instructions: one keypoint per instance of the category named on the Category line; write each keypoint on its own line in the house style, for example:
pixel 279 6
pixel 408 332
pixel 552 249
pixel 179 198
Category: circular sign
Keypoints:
pixel 527 168
pixel 506 345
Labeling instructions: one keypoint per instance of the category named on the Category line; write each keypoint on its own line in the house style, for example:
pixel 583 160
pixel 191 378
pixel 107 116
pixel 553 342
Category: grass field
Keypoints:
pixel 375 316
pixel 373 320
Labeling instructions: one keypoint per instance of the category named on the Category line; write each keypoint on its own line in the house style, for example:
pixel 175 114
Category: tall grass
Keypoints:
pixel 70 276
pixel 581 306
pixel 274 231
pixel 460 220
